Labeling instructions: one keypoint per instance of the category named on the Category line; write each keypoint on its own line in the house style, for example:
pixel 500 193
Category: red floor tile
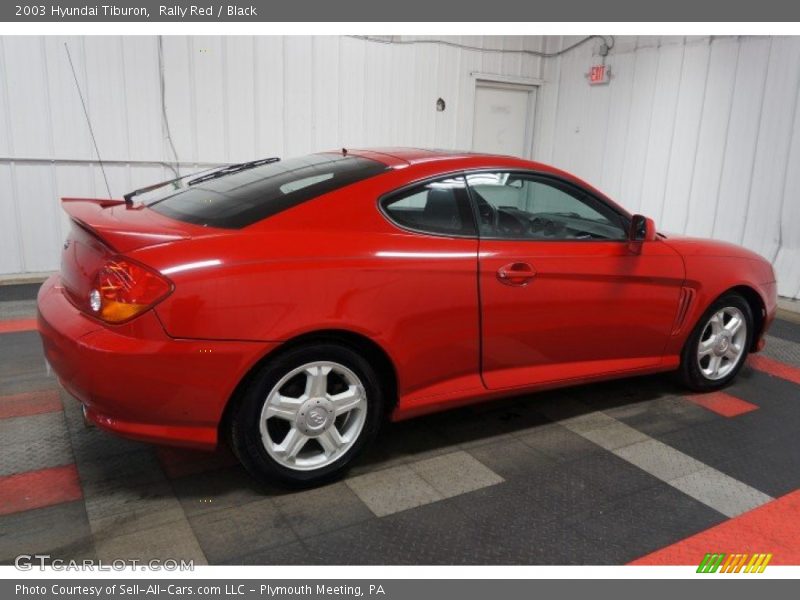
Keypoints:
pixel 32 403
pixel 12 325
pixel 771 528
pixel 36 489
pixel 722 403
pixel 180 462
pixel 775 368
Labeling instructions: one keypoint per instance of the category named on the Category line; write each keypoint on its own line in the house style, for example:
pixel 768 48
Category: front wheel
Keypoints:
pixel 717 348
pixel 308 413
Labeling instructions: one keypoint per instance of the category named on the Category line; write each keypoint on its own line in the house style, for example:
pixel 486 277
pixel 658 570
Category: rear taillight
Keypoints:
pixel 123 289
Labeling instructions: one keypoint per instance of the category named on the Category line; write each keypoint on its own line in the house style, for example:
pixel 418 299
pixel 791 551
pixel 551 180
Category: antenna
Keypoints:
pixel 88 121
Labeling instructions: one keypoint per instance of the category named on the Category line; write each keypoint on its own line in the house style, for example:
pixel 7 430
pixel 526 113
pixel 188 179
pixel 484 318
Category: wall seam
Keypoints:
pixel 786 176
pixel 727 135
pixel 12 167
pixel 672 135
pixel 758 137
pixel 697 139
pixel 649 127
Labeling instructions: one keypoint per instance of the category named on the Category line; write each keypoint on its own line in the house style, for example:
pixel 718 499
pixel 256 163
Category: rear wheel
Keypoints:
pixel 718 346
pixel 308 413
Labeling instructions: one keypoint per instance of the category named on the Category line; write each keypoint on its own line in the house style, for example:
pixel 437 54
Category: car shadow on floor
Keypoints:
pixel 441 433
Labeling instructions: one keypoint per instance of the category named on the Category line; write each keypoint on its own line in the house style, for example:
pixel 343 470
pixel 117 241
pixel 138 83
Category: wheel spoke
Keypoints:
pixel 734 325
pixel 317 381
pixel 292 444
pixel 717 323
pixel 283 407
pixel 733 353
pixel 347 401
pixel 331 441
pixel 706 347
pixel 714 364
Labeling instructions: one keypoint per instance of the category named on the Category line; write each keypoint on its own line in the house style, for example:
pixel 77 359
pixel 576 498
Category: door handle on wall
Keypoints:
pixel 516 273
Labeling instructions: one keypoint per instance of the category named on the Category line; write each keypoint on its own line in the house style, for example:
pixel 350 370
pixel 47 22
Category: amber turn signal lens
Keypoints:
pixel 126 289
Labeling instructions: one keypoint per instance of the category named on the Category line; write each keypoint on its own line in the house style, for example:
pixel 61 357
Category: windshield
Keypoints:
pixel 244 197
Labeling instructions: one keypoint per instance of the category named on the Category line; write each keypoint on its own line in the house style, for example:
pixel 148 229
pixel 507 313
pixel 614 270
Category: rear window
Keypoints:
pixel 242 198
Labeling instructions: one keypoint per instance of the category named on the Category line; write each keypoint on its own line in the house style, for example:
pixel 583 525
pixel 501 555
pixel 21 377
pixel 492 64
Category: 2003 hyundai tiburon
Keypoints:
pixel 291 305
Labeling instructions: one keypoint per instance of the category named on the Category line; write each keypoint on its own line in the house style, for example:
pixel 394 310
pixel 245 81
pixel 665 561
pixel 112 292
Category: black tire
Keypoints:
pixel 244 429
pixel 690 371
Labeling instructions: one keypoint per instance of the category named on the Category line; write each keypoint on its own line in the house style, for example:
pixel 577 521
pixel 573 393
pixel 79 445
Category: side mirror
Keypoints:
pixel 642 229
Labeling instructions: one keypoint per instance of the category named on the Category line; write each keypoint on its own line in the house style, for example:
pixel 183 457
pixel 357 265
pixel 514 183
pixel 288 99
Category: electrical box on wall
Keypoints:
pixel 599 75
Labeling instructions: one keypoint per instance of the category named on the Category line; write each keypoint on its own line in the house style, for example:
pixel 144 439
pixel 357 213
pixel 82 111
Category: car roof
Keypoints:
pixel 401 157
pixel 395 156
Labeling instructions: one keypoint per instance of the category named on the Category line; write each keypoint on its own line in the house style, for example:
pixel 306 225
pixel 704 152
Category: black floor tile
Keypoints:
pixel 225 534
pixel 294 553
pixel 615 476
pixel 637 524
pixel 19 291
pixel 546 495
pixel 786 330
pixel 220 489
pixel 430 534
pixel 714 441
pixel 559 443
pixel 662 415
pixel 512 458
pixel 62 531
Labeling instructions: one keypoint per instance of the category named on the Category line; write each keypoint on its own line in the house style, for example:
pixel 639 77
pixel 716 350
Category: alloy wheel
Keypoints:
pixel 722 343
pixel 313 415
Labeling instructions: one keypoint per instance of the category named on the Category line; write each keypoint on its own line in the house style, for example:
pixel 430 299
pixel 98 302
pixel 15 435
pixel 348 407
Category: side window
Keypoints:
pixel 440 207
pixel 518 206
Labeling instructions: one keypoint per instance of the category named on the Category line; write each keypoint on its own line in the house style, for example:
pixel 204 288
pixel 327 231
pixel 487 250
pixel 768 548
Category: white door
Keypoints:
pixel 503 119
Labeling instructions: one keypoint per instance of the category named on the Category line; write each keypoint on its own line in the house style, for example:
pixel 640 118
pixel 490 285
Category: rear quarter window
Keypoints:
pixel 245 197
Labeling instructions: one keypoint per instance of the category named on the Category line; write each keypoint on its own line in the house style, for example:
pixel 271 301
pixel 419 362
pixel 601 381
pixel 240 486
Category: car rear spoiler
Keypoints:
pixel 123 229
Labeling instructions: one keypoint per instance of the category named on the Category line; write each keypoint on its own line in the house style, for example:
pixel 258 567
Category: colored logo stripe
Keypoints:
pixel 734 563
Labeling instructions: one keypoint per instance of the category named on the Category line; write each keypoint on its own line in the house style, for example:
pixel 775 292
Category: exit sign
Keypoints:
pixel 598 74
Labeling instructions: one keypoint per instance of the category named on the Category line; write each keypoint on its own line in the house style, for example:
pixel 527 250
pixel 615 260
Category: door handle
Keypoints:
pixel 516 273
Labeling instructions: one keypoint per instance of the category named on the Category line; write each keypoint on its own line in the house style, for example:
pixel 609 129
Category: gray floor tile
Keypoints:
pixel 455 473
pixel 174 541
pixel 33 428
pixel 392 490
pixel 659 460
pixel 105 499
pixel 722 493
pixel 612 436
pixel 50 451
pixel 157 518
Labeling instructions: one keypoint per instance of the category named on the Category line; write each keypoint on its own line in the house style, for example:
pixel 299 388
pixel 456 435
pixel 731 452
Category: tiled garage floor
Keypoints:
pixel 632 470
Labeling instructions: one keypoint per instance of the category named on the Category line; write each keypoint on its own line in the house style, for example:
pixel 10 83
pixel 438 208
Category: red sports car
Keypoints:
pixel 290 306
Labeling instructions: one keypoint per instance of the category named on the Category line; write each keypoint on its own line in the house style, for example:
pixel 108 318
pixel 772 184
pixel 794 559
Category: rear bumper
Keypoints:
pixel 137 381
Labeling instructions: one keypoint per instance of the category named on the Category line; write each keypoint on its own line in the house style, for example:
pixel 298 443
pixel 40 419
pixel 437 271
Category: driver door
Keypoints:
pixel 562 295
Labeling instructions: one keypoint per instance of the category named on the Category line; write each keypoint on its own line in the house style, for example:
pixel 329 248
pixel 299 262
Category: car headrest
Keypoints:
pixel 441 209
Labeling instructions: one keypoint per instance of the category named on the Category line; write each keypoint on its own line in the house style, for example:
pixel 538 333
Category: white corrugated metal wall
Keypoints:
pixel 227 99
pixel 699 133
pixel 702 134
